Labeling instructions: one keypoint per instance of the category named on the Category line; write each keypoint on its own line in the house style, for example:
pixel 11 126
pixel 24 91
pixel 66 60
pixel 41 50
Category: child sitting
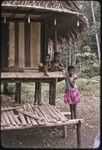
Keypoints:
pixel 47 64
pixel 57 63
pixel 72 95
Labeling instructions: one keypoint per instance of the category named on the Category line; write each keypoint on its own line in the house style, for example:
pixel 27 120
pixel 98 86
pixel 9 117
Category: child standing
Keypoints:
pixel 72 95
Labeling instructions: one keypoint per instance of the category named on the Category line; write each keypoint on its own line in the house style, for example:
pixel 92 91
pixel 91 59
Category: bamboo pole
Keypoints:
pixel 30 115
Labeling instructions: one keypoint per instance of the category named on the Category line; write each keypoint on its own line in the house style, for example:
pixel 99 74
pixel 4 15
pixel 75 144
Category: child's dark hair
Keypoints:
pixel 70 67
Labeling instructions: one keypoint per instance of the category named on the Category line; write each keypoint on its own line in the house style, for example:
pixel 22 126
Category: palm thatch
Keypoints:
pixel 71 22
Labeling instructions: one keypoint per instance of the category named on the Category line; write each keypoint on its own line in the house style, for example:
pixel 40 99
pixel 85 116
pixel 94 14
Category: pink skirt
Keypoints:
pixel 72 96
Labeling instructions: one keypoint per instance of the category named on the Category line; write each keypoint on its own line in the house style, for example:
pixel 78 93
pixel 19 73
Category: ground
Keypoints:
pixel 88 109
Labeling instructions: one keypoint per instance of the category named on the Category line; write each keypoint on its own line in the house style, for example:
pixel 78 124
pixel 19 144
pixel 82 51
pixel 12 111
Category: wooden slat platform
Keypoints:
pixel 30 115
pixel 31 75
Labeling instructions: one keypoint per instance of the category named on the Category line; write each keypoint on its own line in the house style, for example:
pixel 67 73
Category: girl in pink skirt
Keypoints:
pixel 72 94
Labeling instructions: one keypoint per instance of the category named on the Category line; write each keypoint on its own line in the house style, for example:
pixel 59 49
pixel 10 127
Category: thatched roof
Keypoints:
pixel 68 14
pixel 56 6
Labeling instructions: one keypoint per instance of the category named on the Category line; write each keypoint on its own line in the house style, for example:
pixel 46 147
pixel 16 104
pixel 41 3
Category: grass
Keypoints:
pixel 90 86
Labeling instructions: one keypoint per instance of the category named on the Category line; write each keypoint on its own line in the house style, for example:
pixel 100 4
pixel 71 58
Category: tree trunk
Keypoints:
pixel 96 35
pixel 70 55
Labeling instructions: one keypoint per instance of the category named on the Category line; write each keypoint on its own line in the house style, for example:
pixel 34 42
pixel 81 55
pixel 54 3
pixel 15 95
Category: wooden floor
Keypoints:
pixel 30 115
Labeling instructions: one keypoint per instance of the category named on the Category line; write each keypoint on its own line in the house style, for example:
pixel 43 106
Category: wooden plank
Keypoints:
pixel 11 118
pixel 39 122
pixel 44 114
pixel 30 75
pixel 11 44
pixel 65 113
pixel 32 119
pixel 21 45
pixel 15 118
pixel 29 114
pixel 47 114
pixel 53 113
pixel 35 113
pixel 28 119
pixel 22 118
pixel 62 118
pixel 69 122
pixel 10 108
pixel 39 113
pixel 32 44
pixel 35 31
pixel 3 121
pixel 4 114
pixel 50 115
pixel 55 119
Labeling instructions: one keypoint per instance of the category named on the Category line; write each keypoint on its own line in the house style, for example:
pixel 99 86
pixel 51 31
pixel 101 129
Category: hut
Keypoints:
pixel 27 26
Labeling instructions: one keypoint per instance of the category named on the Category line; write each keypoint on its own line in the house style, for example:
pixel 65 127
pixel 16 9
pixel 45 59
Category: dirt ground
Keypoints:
pixel 88 109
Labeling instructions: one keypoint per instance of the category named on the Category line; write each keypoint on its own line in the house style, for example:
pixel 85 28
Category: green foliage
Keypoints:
pixel 89 86
pixel 89 64
pixel 94 28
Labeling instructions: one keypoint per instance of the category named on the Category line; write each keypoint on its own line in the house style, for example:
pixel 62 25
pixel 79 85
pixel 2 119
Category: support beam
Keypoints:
pixel 78 127
pixel 64 132
pixel 52 92
pixel 37 96
pixel 55 36
pixel 5 88
pixel 18 93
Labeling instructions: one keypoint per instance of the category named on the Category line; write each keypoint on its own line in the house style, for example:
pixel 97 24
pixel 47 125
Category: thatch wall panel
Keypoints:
pixel 21 45
pixel 35 29
pixel 11 44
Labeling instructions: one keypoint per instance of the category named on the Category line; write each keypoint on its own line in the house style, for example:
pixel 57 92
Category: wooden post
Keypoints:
pixel 37 93
pixel 55 37
pixel 52 92
pixel 5 88
pixel 4 50
pixel 64 131
pixel 18 93
pixel 78 126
